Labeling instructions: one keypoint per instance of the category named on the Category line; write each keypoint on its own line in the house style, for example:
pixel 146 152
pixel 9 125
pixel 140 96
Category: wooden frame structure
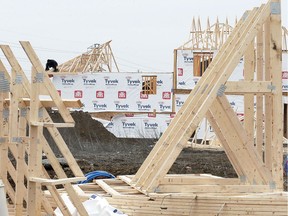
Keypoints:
pixel 98 58
pixel 211 38
pixel 258 190
pixel 23 142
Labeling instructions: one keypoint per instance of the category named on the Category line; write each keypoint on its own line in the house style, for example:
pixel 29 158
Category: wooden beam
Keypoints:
pixel 213 188
pixel 259 97
pixel 44 181
pixel 35 150
pixel 249 68
pixel 276 70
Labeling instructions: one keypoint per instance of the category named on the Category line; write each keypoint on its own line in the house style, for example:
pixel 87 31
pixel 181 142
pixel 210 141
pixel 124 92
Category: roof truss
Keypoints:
pixel 258 31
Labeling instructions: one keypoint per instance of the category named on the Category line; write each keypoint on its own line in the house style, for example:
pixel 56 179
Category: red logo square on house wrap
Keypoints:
pixel 100 94
pixel 78 94
pixel 180 71
pixel 122 94
pixel 143 96
pixel 166 95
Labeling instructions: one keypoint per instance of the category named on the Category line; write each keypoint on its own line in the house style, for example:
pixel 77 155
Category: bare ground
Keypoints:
pixel 97 149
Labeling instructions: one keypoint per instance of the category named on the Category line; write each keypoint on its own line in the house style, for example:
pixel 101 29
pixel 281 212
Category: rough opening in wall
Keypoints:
pixel 201 60
pixel 149 84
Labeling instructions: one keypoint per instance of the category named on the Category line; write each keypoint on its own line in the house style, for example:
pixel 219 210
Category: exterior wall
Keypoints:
pixel 121 92
pixel 115 92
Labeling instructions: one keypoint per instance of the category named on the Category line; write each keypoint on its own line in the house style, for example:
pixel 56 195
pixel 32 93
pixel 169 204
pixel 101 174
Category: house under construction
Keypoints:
pixel 258 189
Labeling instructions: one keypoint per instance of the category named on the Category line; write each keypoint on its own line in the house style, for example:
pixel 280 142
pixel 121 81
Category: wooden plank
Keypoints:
pixel 45 181
pixel 276 69
pixel 239 88
pixel 259 97
pixel 35 150
pixel 268 98
pixel 253 168
pixel 52 124
pixel 249 67
pixel 107 188
pixel 172 188
pixel 183 180
pixel 13 133
pixel 4 140
pixel 247 86
pixel 47 103
pixel 229 152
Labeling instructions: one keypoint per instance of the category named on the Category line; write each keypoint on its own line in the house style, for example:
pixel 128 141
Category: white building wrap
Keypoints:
pixel 121 92
pixel 140 125
pixel 115 92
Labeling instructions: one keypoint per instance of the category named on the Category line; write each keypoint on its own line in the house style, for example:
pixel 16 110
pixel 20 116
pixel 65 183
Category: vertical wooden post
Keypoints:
pixel 268 98
pixel 16 139
pixel 259 97
pixel 4 89
pixel 35 151
pixel 276 75
pixel 249 66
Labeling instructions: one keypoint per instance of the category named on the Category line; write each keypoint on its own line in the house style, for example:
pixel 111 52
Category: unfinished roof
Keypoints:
pixel 98 58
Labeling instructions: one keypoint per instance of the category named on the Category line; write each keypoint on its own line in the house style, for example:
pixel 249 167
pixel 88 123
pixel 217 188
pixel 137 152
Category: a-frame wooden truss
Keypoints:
pixel 258 163
pixel 23 114
pixel 210 38
pixel 98 58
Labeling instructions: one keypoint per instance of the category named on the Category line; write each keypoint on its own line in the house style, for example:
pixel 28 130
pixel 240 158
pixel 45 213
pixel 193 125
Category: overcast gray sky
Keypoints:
pixel 143 32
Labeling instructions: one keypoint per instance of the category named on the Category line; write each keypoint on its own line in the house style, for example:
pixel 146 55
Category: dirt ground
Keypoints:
pixel 95 148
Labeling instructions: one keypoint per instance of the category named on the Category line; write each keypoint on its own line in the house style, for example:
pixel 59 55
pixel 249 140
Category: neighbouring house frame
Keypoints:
pixel 98 58
pixel 205 43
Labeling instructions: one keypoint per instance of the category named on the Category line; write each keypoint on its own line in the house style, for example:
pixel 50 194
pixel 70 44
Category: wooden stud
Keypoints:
pixel 276 74
pixel 259 97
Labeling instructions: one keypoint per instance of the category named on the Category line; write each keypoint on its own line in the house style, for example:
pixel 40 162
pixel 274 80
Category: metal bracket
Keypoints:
pixel 23 112
pixel 4 83
pixel 156 190
pixel 5 113
pixel 2 139
pixel 275 8
pixel 271 87
pixel 39 77
pixel 40 112
pixel 221 90
pixel 18 79
pixel 245 15
pixel 272 185
pixel 242 178
pixel 17 139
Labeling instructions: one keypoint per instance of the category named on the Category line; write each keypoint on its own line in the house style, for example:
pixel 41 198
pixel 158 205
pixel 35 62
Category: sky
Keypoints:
pixel 144 33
